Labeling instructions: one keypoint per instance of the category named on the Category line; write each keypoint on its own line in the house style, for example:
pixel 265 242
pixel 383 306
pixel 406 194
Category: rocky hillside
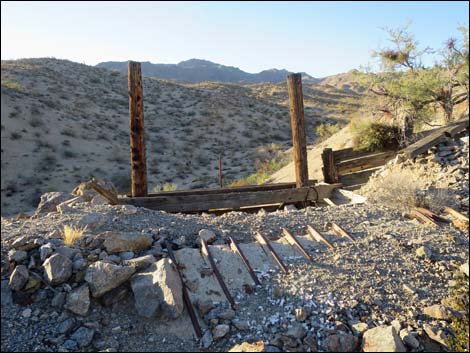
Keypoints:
pixel 196 70
pixel 63 122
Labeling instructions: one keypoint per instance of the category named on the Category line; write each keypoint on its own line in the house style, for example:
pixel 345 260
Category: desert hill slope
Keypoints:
pixel 63 122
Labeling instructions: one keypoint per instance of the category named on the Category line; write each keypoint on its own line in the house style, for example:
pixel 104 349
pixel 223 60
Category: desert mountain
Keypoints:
pixel 196 70
pixel 63 122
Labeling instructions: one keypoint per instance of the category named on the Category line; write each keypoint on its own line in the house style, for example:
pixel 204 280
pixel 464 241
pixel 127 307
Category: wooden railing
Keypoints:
pixel 352 168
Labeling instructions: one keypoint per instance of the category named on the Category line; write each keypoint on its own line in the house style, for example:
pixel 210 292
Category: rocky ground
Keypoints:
pixel 397 288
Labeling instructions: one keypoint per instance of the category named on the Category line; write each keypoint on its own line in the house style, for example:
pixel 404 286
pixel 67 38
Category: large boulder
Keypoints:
pixel 382 339
pixel 78 300
pixel 50 200
pixel 341 342
pixel 158 291
pixel 19 278
pixel 103 276
pixel 438 311
pixel 57 269
pixel 140 262
pixel 116 242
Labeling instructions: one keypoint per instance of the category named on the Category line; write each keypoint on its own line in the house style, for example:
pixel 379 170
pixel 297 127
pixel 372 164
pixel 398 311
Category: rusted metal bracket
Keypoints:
pixel 318 237
pixel 206 252
pixel 263 241
pixel 432 215
pixel 234 246
pixel 295 242
pixel 341 232
pixel 186 300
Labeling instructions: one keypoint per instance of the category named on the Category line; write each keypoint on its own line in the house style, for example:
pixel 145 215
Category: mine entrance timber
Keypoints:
pixel 302 193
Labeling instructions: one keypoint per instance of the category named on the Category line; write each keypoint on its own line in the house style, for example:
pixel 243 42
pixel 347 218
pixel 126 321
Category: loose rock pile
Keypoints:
pixel 115 288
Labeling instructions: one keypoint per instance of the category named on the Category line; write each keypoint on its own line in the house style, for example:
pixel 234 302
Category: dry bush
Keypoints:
pixel 370 135
pixel 403 188
pixel 72 234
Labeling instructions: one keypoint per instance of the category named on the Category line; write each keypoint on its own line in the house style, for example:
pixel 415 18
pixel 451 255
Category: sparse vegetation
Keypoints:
pixel 71 234
pixel 165 187
pixel 371 136
pixel 459 341
pixel 325 130
pixel 15 136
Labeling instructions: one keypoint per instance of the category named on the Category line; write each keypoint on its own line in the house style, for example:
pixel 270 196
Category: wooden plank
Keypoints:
pixel 330 174
pixel 137 131
pixel 265 187
pixel 357 177
pixel 297 120
pixel 450 211
pixel 204 202
pixel 434 138
pixel 366 162
pixel 341 232
pixel 316 235
pixel 294 242
pixel 349 153
pixel 329 202
pixel 110 196
pixel 423 218
pixel 263 241
pixel 432 215
pixel 234 246
pixel 206 252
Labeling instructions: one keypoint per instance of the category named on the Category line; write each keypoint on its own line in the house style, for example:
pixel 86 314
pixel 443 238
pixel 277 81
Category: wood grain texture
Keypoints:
pixel 299 141
pixel 137 131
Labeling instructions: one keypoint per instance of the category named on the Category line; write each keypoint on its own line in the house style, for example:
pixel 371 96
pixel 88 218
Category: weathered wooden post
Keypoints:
pixel 137 131
pixel 297 120
pixel 330 173
pixel 221 184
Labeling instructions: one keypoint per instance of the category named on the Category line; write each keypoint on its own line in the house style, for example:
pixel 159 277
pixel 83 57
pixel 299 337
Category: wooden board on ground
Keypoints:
pixel 366 162
pixel 232 200
pixel 357 178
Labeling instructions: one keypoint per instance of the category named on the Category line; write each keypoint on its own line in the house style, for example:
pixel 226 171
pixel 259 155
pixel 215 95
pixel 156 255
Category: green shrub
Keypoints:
pixel 262 175
pixel 15 136
pixel 325 130
pixel 165 187
pixel 373 136
pixel 458 342
pixel 35 122
pixel 68 132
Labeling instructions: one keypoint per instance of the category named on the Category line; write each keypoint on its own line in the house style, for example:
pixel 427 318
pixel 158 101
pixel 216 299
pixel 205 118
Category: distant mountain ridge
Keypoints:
pixel 197 70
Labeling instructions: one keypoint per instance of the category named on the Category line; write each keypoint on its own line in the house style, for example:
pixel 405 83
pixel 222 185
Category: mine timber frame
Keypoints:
pixel 303 192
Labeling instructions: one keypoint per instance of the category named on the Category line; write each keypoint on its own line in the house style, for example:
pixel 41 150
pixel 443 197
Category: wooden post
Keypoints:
pixel 330 174
pixel 296 105
pixel 137 131
pixel 220 172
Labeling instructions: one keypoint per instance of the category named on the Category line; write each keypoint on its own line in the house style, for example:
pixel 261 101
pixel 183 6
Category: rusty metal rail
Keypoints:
pixel 234 246
pixel 315 234
pixel 341 232
pixel 206 252
pixel 295 242
pixel 263 241
pixel 186 300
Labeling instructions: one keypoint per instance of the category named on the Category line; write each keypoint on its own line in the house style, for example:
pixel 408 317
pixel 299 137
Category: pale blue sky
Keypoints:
pixel 321 38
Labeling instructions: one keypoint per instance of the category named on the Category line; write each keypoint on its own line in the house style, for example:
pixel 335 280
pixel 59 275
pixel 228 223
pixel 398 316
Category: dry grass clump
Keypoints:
pixel 72 234
pixel 404 188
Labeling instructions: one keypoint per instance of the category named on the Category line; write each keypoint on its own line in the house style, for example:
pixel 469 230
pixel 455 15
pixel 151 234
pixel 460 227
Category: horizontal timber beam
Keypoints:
pixel 231 200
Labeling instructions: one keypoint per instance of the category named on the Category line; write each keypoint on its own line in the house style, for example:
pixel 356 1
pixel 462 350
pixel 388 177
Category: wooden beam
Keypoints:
pixel 349 153
pixel 341 232
pixel 227 190
pixel 330 174
pixel 233 200
pixel 450 211
pixel 234 246
pixel 110 196
pixel 439 135
pixel 137 131
pixel 365 162
pixel 297 120
pixel 357 177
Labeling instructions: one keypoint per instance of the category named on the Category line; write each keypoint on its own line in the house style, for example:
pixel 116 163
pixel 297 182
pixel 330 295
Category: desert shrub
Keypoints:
pixel 165 187
pixel 36 122
pixel 69 154
pixel 262 175
pixel 71 234
pixel 325 130
pixel 15 136
pixel 369 135
pixel 404 188
pixel 68 132
pixel 458 341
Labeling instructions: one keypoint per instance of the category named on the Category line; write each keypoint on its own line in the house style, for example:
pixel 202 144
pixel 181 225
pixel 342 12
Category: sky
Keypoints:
pixel 320 38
